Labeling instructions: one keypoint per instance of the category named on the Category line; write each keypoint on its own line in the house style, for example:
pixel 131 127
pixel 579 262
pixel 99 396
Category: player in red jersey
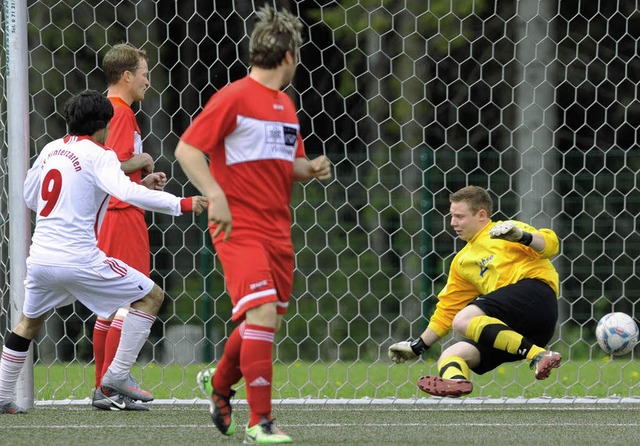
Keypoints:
pixel 124 232
pixel 250 131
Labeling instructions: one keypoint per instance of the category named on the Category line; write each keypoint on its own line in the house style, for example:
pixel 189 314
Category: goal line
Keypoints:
pixel 435 401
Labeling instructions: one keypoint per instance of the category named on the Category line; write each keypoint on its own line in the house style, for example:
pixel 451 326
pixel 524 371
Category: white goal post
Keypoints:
pixel 411 100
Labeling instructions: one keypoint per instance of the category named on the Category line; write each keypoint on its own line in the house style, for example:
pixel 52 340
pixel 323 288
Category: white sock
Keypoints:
pixel 135 331
pixel 10 366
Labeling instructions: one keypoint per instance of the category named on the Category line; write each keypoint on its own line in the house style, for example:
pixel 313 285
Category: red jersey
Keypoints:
pixel 252 136
pixel 125 139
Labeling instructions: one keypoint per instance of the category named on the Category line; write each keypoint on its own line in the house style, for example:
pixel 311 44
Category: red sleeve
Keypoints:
pixel 121 132
pixel 300 151
pixel 217 120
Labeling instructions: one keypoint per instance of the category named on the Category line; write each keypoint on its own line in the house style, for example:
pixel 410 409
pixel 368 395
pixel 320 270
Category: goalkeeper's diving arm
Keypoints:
pixel 409 350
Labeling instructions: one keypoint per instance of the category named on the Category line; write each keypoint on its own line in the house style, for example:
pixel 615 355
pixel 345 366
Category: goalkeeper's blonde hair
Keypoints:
pixel 276 33
pixel 476 197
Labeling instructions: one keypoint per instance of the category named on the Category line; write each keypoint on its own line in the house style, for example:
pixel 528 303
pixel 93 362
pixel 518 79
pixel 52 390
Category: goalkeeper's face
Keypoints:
pixel 465 222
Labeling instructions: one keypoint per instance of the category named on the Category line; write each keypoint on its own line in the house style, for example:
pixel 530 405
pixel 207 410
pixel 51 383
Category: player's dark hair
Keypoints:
pixel 275 33
pixel 120 58
pixel 476 197
pixel 87 112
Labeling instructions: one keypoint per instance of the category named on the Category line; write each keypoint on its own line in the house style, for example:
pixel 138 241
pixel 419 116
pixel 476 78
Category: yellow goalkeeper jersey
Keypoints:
pixel 486 264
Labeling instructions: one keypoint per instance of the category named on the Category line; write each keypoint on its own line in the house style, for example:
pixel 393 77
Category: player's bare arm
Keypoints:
pixel 141 161
pixel 195 165
pixel 304 169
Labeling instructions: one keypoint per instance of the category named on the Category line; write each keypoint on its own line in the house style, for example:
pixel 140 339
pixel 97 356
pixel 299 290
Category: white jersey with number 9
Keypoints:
pixel 68 187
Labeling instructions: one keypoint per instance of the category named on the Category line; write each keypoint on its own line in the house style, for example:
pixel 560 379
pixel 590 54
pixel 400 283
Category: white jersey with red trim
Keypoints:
pixel 68 187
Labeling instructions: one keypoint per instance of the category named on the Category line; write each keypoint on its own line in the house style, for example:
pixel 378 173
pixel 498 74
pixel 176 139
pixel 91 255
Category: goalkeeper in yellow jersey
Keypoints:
pixel 501 295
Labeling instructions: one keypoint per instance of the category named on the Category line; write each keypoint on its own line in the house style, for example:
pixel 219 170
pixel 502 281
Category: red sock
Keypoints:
pixel 256 363
pixel 100 330
pixel 111 344
pixel 228 370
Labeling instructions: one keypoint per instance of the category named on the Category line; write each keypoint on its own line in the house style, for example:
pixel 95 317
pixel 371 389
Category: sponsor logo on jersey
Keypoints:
pixel 290 135
pixel 281 134
pixel 255 139
pixel 281 140
pixel 484 265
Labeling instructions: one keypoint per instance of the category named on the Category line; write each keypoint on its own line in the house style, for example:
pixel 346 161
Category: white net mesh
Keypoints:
pixel 537 101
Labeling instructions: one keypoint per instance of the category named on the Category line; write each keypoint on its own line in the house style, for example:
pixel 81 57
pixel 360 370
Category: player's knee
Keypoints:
pixel 157 296
pixel 279 318
pixel 462 319
pixel 28 328
pixel 469 353
pixel 152 302
pixel 265 315
pixel 460 324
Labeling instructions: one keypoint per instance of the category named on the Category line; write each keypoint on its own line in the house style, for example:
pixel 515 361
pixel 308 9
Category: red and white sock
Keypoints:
pixel 256 363
pixel 135 331
pixel 100 330
pixel 11 363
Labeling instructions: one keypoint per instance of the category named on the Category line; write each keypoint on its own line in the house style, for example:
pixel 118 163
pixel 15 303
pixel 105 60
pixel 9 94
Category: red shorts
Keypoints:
pixel 124 235
pixel 256 272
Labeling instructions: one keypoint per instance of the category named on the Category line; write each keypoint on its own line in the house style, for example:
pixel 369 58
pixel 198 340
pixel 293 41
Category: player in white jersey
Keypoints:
pixel 69 186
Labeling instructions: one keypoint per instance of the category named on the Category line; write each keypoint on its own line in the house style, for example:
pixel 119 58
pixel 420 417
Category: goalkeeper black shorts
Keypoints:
pixel 529 307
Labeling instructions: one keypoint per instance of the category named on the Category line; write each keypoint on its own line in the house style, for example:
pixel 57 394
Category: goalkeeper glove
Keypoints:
pixel 508 231
pixel 407 350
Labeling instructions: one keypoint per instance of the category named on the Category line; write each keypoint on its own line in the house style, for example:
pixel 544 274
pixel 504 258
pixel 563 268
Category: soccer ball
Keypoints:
pixel 617 333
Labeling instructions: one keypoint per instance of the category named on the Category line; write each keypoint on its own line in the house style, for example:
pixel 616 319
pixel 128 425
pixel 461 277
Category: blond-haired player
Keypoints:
pixel 501 295
pixel 124 233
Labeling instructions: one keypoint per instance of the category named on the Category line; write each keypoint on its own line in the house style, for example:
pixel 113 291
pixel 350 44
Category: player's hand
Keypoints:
pixel 146 163
pixel 155 181
pixel 200 203
pixel 321 167
pixel 401 352
pixel 195 204
pixel 220 215
pixel 506 230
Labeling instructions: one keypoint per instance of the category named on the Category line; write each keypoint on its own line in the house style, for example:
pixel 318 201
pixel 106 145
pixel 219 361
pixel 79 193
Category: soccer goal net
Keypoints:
pixel 411 100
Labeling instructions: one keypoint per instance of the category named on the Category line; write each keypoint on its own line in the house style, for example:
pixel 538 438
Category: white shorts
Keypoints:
pixel 102 288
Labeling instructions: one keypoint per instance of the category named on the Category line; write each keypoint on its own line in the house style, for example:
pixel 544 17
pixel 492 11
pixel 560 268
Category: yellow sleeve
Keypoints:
pixel 456 295
pixel 551 243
